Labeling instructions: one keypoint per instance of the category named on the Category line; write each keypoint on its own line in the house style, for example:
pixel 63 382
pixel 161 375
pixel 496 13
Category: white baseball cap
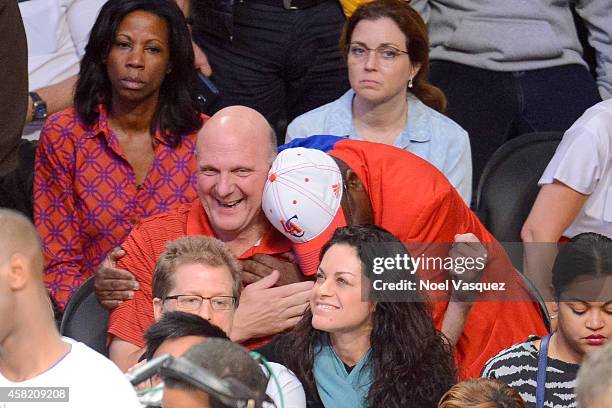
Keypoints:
pixel 302 198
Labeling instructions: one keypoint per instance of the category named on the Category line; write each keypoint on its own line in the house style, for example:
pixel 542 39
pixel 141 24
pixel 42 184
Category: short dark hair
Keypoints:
pixel 585 254
pixel 177 112
pixel 225 360
pixel 174 325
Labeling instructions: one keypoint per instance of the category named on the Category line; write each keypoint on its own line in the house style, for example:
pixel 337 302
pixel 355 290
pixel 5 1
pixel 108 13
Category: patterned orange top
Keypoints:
pixel 86 199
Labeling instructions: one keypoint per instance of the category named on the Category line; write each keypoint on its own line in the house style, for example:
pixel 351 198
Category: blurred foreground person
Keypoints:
pixel 32 353
pixel 13 101
pixel 227 366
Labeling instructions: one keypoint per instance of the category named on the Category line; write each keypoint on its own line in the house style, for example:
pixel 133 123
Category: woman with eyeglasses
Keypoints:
pixel 386 47
pixel 355 347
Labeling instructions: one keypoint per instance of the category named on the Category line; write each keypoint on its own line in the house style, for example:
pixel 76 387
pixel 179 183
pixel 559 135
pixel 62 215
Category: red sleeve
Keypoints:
pixel 426 216
pixel 55 215
pixel 497 320
pixel 133 317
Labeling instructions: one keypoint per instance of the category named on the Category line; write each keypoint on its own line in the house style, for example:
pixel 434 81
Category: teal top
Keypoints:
pixel 338 388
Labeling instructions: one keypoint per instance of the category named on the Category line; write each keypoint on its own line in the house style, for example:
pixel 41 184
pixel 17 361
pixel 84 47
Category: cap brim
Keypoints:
pixel 308 253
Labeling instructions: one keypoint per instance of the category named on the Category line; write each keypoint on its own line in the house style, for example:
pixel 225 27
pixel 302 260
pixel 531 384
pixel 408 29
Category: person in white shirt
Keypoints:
pixel 575 194
pixel 57 32
pixel 32 352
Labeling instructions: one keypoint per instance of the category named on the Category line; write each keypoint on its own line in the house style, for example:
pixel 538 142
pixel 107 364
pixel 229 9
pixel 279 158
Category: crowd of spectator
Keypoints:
pixel 234 270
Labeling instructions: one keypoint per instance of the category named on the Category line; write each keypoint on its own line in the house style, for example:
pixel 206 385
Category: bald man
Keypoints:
pixel 235 149
pixel 32 353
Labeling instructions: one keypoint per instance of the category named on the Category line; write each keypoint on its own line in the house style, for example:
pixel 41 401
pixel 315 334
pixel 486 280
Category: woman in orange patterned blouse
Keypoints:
pixel 125 150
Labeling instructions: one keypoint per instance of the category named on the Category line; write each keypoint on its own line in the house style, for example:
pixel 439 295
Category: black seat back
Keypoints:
pixel 509 183
pixel 85 320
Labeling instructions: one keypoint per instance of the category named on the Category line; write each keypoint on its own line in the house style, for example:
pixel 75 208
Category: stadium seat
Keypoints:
pixel 509 185
pixel 85 320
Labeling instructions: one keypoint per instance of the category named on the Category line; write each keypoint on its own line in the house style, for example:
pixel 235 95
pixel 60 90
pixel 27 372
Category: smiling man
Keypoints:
pixel 234 151
pixel 199 275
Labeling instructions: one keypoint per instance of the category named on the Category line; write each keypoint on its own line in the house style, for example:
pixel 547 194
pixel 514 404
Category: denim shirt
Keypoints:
pixel 428 134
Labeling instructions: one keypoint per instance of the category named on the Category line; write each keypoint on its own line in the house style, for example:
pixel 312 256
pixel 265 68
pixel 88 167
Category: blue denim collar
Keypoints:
pixel 414 132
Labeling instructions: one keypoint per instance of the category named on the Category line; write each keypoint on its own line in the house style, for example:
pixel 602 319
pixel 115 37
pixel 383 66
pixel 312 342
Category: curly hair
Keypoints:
pixel 417 43
pixel 412 362
pixel 177 112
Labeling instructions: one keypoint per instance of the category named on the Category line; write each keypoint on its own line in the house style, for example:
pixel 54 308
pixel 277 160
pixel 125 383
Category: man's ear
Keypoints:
pixel 353 183
pixel 358 208
pixel 19 271
pixel 158 308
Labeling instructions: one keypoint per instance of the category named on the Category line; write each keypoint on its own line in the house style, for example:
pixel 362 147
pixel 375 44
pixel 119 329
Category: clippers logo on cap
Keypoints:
pixel 290 228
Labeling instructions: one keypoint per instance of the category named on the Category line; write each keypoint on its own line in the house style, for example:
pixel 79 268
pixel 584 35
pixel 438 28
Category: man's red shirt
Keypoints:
pixel 145 244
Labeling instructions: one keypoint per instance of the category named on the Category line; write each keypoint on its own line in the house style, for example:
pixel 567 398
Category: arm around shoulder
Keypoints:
pixel 58 96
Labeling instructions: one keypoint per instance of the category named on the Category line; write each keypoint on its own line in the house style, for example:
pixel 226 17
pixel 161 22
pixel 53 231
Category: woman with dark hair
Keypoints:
pixel 351 352
pixel 582 287
pixel 125 151
pixel 386 47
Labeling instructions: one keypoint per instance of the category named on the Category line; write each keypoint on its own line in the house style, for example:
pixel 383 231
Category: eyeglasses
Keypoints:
pixel 385 54
pixel 194 302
